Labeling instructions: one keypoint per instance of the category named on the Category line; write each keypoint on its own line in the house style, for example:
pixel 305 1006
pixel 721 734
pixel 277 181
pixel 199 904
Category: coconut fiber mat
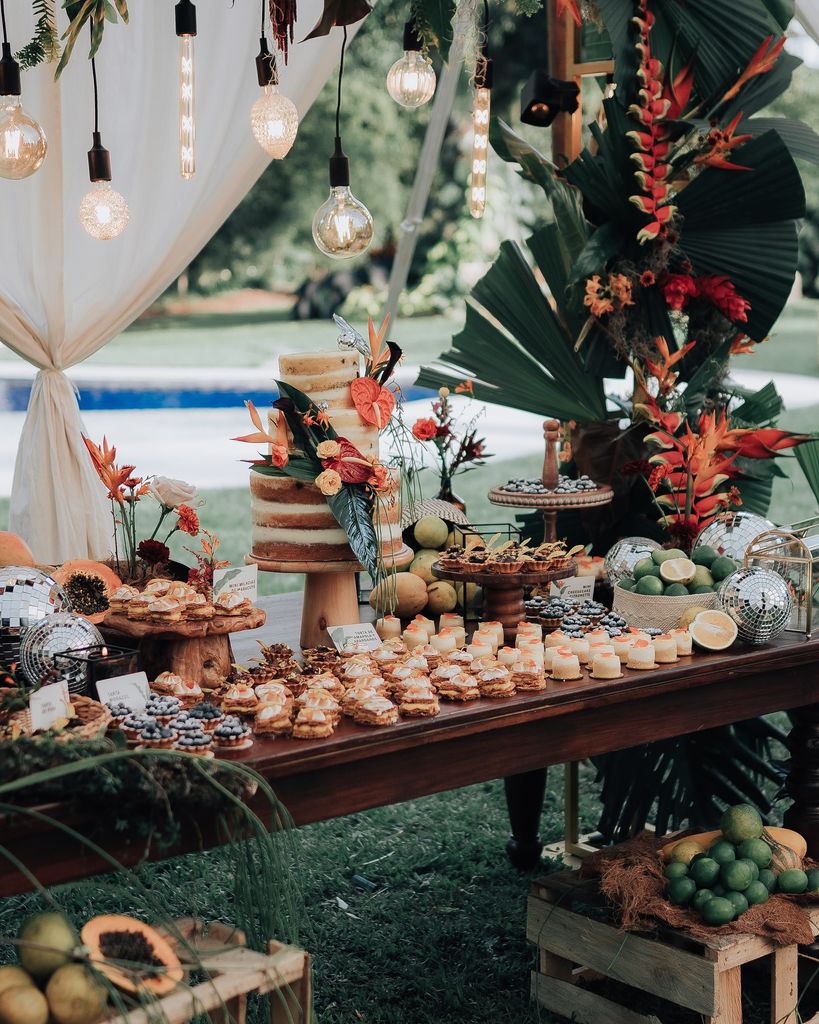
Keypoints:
pixel 632 881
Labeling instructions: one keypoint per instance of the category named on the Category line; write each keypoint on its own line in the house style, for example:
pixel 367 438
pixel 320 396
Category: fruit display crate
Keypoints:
pixel 579 944
pixel 230 972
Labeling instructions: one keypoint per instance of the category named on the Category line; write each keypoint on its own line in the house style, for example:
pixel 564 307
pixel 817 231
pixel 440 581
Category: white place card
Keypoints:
pixel 48 705
pixel 131 689
pixel 237 579
pixel 357 633
pixel 578 588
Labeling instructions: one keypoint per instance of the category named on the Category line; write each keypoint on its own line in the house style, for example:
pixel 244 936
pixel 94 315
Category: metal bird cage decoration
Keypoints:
pixel 793 552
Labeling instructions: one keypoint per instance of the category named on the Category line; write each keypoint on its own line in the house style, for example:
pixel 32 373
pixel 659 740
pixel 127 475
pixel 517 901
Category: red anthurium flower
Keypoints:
pixel 373 402
pixel 350 464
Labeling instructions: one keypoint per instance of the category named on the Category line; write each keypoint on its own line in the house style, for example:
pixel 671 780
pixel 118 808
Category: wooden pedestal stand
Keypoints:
pixel 194 650
pixel 330 592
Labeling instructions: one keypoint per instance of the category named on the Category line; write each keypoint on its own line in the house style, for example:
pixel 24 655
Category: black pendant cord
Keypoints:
pixel 96 97
pixel 340 76
pixel 3 19
pixel 263 14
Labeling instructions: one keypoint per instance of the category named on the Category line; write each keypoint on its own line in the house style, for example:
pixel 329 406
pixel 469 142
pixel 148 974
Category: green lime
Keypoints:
pixel 680 891
pixel 704 872
pixel 702 577
pixel 676 590
pixel 813 879
pixel 736 875
pixel 663 554
pixel 793 880
pixel 626 584
pixel 702 590
pixel 752 867
pixel 722 566
pixel 768 879
pixel 701 897
pixel 645 567
pixel 757 892
pixel 722 851
pixel 703 555
pixel 756 850
pixel 718 911
pixel 676 869
pixel 650 585
pixel 718 889
pixel 739 902
pixel 740 823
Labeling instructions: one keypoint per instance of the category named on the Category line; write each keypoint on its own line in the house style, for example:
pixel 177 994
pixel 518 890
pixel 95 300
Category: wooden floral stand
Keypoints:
pixel 193 650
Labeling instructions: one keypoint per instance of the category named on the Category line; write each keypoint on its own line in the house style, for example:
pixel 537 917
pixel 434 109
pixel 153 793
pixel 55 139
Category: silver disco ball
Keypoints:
pixel 759 601
pixel 731 533
pixel 57 634
pixel 26 596
pixel 624 555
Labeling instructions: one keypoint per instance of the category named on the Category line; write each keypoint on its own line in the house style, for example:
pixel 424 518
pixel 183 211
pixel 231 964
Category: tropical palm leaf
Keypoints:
pixel 807 455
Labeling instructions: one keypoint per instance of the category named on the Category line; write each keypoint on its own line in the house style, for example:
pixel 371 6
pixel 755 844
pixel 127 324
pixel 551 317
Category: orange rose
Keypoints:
pixel 328 450
pixel 328 482
pixel 424 429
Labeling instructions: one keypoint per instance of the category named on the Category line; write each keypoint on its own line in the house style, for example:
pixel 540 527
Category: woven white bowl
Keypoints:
pixel 645 610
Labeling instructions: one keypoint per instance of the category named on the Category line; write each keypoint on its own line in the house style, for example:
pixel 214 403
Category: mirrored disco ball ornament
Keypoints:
pixel 731 533
pixel 26 596
pixel 759 601
pixel 624 555
pixel 57 634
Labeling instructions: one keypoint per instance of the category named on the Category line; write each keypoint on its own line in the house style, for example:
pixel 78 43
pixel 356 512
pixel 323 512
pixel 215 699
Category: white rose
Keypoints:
pixel 172 493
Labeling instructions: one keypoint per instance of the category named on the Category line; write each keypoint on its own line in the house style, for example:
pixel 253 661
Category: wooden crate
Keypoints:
pixel 578 943
pixel 234 972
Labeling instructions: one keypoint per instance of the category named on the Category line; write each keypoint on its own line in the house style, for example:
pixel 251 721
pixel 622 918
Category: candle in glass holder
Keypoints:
pixel 479 650
pixel 86 666
pixel 496 627
pixel 389 627
pixel 443 643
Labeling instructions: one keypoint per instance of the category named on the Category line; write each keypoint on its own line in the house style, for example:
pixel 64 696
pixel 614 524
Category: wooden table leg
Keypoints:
pixel 784 985
pixel 524 802
pixel 330 599
pixel 803 781
pixel 504 605
pixel 729 998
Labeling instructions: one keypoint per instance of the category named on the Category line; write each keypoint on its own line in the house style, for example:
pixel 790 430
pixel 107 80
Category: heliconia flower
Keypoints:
pixel 572 7
pixel 645 204
pixel 718 144
pixel 761 63
pixel 466 387
pixel 661 370
pixel 742 345
pixel 114 478
pixel 762 443
pixel 678 91
pixel 379 350
pixel 279 455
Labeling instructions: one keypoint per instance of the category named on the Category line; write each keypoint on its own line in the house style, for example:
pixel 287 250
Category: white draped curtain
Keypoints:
pixel 64 295
pixel 807 13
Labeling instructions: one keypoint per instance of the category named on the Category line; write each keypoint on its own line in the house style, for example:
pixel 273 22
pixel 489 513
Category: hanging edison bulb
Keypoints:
pixel 274 119
pixel 185 13
pixel 342 225
pixel 22 141
pixel 480 137
pixel 103 210
pixel 411 79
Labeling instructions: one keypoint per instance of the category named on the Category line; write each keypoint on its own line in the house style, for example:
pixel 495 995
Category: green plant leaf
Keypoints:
pixel 760 409
pixel 604 243
pixel 435 16
pixel 807 455
pixel 354 514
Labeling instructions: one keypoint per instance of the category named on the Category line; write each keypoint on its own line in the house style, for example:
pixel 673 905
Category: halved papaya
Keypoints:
pixel 777 837
pixel 105 572
pixel 131 954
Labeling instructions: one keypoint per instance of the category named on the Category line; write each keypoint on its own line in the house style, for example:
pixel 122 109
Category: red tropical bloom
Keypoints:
pixel 678 289
pixel 718 145
pixel 187 520
pixel 350 464
pixel 719 290
pixel 153 552
pixel 424 429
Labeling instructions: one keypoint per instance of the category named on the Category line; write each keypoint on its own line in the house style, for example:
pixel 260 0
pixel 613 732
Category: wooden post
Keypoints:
pixel 564 43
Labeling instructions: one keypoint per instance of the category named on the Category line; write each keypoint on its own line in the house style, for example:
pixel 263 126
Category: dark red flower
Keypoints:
pixel 719 290
pixel 153 552
pixel 678 289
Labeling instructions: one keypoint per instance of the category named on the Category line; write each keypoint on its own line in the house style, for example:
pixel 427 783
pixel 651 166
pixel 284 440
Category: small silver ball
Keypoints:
pixel 731 533
pixel 759 601
pixel 27 595
pixel 624 555
pixel 57 634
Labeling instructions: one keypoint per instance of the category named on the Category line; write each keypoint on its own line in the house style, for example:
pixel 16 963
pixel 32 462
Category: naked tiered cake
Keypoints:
pixel 291 518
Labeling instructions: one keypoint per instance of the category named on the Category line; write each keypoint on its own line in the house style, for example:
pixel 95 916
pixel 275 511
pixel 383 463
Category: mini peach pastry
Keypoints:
pixel 157 588
pixel 375 711
pixel 179 591
pixel 443 643
pixel 321 700
pixel 419 700
pixel 641 655
pixel 165 682
pixel 530 629
pixel 488 637
pixel 565 664
pixel 463 659
pixel 599 647
pixel 385 658
pixel 444 673
pixel 274 693
pixel 665 649
pixel 273 720
pixel 118 600
pixel 356 650
pixel 482 664
pixel 528 676
pixel 356 695
pixel 460 687
pixel 312 724
pixel 165 609
pixel 493 627
pixel 450 619
pixel 357 669
pixel 606 665
pixel 621 645
pixel 328 682
pixel 198 607
pixel 232 604
pixel 683 640
pixel 431 654
pixel 556 639
pixel 137 607
pixel 418 662
pixel 580 647
pixel 400 687
pixel 188 691
pixel 479 650
pixel 239 699
pixel 496 682
pixel 414 636
pixel 395 643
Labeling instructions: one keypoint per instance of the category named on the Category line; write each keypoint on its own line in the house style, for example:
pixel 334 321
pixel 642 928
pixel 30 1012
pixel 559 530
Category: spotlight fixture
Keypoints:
pixel 22 141
pixel 274 119
pixel 544 97
pixel 342 225
pixel 480 135
pixel 411 79
pixel 103 211
pixel 185 13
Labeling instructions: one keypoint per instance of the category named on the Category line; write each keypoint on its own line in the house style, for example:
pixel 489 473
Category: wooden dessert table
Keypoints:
pixel 359 767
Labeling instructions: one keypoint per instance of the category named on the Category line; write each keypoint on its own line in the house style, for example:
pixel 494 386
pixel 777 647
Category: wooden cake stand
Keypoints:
pixel 193 650
pixel 330 591
pixel 552 503
pixel 502 592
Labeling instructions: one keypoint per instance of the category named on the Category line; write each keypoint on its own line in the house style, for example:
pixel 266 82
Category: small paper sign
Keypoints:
pixel 357 633
pixel 48 705
pixel 131 690
pixel 578 588
pixel 237 579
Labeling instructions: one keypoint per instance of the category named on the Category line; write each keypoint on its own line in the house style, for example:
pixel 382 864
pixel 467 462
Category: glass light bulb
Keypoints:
pixel 480 151
pixel 103 211
pixel 22 141
pixel 342 226
pixel 274 122
pixel 411 79
pixel 187 123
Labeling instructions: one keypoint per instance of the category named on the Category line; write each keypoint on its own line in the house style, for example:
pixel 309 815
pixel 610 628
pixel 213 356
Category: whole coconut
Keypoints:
pixel 23 1004
pixel 421 565
pixel 75 996
pixel 441 597
pixel 46 943
pixel 431 532
pixel 404 595
pixel 12 976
